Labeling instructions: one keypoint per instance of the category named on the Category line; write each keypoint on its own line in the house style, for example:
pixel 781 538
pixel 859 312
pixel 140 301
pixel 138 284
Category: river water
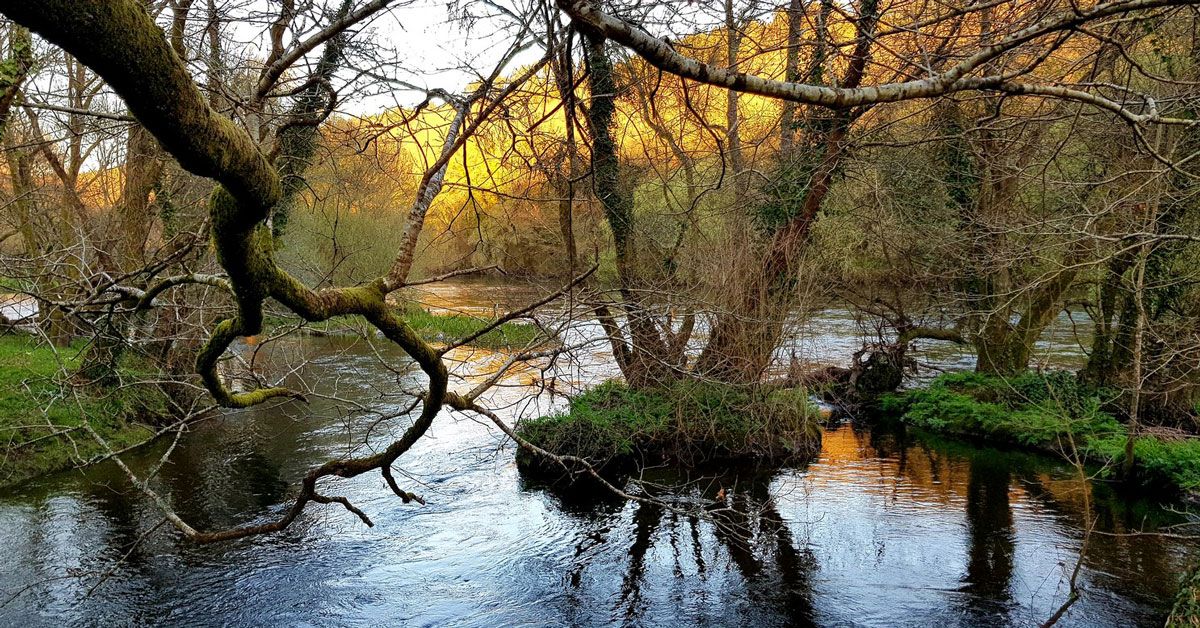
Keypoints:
pixel 881 529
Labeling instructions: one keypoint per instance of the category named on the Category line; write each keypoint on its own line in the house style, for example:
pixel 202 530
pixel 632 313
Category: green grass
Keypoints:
pixel 441 328
pixel 1050 412
pixel 13 285
pixel 687 423
pixel 34 403
pixel 1186 610
pixel 450 328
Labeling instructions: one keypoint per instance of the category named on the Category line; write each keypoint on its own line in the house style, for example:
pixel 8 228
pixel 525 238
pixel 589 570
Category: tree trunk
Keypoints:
pixel 733 136
pixel 743 340
pixel 645 352
pixel 565 79
pixel 791 71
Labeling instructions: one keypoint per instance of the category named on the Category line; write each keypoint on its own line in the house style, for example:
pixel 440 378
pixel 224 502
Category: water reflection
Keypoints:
pixel 990 537
pixel 881 529
pixel 760 543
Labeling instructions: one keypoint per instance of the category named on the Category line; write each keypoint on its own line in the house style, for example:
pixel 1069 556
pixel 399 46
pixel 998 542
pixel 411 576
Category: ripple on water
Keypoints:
pixel 878 531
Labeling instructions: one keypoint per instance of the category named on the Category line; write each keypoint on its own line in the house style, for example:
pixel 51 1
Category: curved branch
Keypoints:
pixel 659 53
pixel 120 41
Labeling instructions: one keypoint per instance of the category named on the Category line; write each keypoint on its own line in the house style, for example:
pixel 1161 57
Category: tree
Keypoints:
pixel 978 55
pixel 121 43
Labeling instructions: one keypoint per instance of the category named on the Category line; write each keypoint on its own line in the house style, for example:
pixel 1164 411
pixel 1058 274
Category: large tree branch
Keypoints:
pixel 587 15
pixel 120 41
pixel 280 61
pixel 931 333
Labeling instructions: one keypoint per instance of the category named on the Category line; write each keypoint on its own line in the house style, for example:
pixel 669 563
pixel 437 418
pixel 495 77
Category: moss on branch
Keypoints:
pixel 443 328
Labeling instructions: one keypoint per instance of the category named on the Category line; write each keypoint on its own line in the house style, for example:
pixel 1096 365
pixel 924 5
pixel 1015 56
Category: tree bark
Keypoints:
pixel 645 350
pixel 743 340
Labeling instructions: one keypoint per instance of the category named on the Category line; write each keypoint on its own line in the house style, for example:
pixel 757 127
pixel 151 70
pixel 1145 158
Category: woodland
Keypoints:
pixel 186 184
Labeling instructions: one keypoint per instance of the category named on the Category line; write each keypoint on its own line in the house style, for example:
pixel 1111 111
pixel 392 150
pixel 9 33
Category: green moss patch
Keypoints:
pixel 687 423
pixel 40 415
pixel 1051 412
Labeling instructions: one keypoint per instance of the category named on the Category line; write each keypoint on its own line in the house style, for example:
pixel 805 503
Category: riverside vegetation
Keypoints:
pixel 684 423
pixel 690 181
pixel 41 416
pixel 1054 413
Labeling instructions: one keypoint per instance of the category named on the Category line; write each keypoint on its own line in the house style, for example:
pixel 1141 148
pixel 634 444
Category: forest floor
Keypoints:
pixel 40 413
pixel 1051 413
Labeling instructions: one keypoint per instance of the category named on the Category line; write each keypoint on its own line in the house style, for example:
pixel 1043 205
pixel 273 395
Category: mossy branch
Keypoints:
pixel 121 42
pixel 14 69
pixel 931 333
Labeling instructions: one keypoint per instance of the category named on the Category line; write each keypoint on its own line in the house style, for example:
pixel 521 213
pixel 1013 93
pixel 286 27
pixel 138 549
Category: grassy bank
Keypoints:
pixel 439 328
pixel 687 423
pixel 1050 412
pixel 1186 610
pixel 451 328
pixel 40 416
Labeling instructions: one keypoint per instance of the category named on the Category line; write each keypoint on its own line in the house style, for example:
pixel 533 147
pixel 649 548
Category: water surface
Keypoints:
pixel 881 529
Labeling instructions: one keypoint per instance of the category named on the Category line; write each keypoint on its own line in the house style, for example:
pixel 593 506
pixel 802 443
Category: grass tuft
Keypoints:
pixel 686 423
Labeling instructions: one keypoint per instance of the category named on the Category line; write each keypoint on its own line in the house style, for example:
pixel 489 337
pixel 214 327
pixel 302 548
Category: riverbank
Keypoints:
pixel 686 423
pixel 1051 413
pixel 436 328
pixel 41 414
pixel 1186 610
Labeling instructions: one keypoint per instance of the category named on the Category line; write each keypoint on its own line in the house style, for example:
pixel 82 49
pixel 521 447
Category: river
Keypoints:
pixel 881 529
